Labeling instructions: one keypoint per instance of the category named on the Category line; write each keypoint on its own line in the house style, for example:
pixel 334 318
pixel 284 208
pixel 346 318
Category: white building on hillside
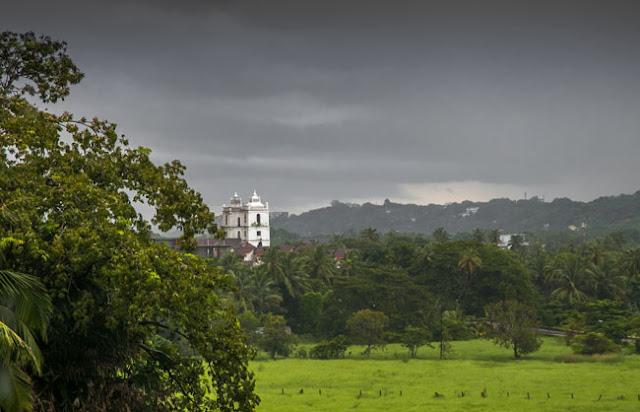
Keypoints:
pixel 248 222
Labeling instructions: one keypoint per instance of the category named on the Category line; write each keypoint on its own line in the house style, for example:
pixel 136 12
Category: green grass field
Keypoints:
pixel 388 382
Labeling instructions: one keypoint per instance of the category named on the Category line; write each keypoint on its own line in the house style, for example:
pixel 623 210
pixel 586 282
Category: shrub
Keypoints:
pixel 302 353
pixel 593 343
pixel 332 349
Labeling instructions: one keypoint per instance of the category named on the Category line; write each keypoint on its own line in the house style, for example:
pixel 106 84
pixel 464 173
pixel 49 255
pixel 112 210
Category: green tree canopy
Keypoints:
pixel 514 322
pixel 368 327
pixel 135 324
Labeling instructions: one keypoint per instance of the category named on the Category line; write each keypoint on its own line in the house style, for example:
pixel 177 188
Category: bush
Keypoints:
pixel 457 330
pixel 302 353
pixel 593 343
pixel 332 349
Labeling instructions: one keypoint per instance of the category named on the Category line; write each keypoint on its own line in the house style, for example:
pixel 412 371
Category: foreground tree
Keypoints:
pixel 25 309
pixel 513 323
pixel 136 326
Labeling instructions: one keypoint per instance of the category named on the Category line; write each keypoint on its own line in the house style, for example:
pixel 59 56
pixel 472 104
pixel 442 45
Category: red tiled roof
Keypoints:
pixel 339 254
pixel 246 248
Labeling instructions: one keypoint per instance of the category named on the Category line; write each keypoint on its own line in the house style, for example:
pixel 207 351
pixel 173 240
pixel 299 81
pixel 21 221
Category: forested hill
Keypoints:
pixel 605 214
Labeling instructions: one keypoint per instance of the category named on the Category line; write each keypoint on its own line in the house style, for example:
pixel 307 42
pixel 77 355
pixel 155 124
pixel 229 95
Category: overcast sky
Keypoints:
pixel 416 101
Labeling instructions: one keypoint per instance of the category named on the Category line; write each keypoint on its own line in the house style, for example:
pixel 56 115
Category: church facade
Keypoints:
pixel 248 222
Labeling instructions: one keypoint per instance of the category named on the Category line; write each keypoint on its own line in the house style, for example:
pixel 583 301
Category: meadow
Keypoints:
pixel 478 376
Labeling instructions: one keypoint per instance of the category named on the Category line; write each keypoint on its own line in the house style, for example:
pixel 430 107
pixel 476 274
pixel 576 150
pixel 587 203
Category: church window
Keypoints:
pixel 258 218
pixel 238 234
pixel 238 222
pixel 259 233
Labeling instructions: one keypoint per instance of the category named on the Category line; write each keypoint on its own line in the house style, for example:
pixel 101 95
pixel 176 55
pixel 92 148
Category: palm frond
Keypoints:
pixel 27 296
pixel 16 393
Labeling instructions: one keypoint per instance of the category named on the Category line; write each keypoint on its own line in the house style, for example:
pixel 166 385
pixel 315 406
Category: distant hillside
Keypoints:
pixel 606 214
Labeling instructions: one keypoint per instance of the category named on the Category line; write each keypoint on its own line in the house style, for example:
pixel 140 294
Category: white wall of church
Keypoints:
pixel 249 222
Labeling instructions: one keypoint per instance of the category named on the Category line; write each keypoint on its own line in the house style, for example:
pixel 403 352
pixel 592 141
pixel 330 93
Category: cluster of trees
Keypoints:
pixel 132 325
pixel 434 289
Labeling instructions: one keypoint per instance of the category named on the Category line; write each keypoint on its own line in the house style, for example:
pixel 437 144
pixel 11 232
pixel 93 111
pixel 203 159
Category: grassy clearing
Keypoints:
pixel 390 382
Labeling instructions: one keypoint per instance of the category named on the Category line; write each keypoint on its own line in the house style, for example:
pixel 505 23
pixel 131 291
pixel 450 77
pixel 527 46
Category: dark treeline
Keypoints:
pixel 602 216
pixel 442 286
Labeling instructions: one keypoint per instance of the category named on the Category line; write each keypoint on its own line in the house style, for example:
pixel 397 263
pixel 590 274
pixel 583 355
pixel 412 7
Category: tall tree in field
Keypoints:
pixel 513 322
pixel 135 326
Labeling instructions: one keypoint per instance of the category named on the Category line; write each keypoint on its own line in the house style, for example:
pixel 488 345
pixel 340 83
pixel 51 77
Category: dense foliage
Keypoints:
pixel 135 325
pixel 437 289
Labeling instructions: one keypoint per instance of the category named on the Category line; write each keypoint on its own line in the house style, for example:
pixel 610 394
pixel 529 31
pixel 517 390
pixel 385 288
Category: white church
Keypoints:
pixel 248 222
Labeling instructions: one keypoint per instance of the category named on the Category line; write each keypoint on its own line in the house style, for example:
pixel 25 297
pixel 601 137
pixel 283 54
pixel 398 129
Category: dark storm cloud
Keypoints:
pixel 310 101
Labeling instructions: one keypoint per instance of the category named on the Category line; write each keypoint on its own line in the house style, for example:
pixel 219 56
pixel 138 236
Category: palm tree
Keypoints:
pixel 537 265
pixel 318 264
pixel 594 254
pixel 494 236
pixel 284 270
pixel 351 265
pixel 515 243
pixel 370 234
pixel 231 263
pixel 468 264
pixel 272 263
pixel 256 291
pixel 440 235
pixel 478 235
pixel 424 256
pixel 606 283
pixel 631 262
pixel 569 278
pixel 25 308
